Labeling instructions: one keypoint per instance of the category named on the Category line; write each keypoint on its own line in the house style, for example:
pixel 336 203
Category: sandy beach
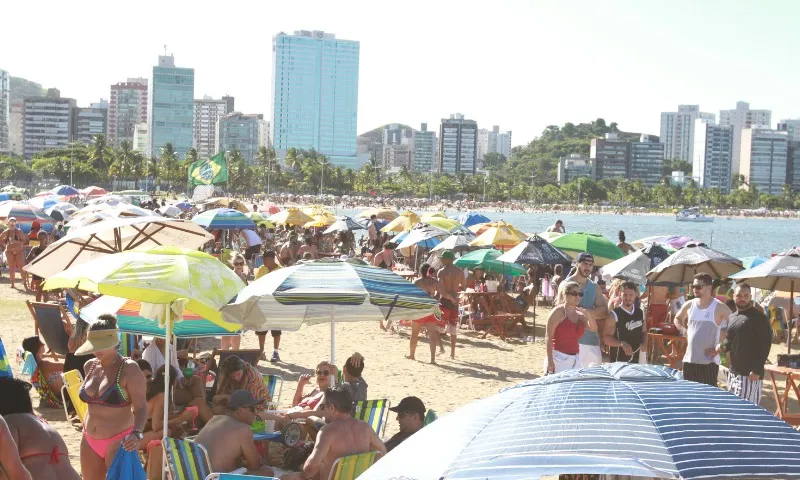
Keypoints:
pixel 482 366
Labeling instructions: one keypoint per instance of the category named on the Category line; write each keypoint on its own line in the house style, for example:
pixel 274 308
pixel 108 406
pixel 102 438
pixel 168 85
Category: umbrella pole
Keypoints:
pixel 333 340
pixel 168 363
pixel 791 319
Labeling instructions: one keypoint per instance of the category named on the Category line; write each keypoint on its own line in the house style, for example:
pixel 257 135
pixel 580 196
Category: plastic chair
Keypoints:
pixel 374 412
pixel 51 322
pixel 72 385
pixel 351 466
pixel 235 476
pixel 186 460
pixel 274 383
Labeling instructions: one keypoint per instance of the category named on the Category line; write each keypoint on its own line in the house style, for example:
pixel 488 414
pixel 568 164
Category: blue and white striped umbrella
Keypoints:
pixel 326 291
pixel 614 419
pixel 224 219
pixel 469 219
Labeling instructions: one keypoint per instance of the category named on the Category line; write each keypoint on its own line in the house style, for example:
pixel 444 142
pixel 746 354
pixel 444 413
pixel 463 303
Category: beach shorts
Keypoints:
pixel 658 315
pixel 252 251
pixel 449 316
pixel 563 362
pixel 275 333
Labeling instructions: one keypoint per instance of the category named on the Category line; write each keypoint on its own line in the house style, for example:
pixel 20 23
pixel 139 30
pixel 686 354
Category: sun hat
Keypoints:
pixel 99 340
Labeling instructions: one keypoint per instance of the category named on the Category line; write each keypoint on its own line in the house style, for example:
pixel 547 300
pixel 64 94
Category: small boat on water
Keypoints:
pixel 692 215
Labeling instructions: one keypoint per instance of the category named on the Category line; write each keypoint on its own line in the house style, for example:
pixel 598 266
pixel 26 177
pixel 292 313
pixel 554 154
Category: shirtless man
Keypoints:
pixel 342 435
pixel 288 252
pixel 229 437
pixel 11 466
pixel 15 241
pixel 308 247
pixel 431 323
pixel 372 232
pixel 40 448
pixel 451 282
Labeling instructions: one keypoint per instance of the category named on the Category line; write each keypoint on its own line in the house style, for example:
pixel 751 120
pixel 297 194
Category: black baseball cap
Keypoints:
pixel 585 257
pixel 242 398
pixel 410 404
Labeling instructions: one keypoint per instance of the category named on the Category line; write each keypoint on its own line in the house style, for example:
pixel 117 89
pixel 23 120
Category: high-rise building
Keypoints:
pixel 740 118
pixel 713 147
pixel 15 127
pixel 493 141
pixel 127 107
pixel 611 156
pixel 575 166
pixel 793 166
pixel 647 160
pixel 396 134
pixel 141 138
pixel 207 113
pixel 504 143
pixel 792 126
pixel 315 95
pixel 89 122
pixel 5 111
pixel 764 155
pixel 229 104
pixel 424 156
pixel 246 133
pixel 171 113
pixel 47 123
pixel 677 131
pixel 458 145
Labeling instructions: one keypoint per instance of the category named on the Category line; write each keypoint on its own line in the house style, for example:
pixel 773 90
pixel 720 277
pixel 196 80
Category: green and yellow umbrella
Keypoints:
pixel 403 223
pixel 291 216
pixel 603 250
pixel 443 223
pixel 259 219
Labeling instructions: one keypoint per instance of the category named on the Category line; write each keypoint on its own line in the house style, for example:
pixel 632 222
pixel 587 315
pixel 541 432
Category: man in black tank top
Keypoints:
pixel 624 331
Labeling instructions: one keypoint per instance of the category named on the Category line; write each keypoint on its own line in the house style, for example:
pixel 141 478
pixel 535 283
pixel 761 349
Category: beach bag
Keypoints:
pixel 126 466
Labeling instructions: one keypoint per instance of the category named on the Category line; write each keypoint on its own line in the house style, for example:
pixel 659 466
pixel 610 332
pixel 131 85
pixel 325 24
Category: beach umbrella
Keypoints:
pixel 184 206
pixel 45 203
pixel 444 223
pixel 632 267
pixel 223 219
pixel 327 291
pixel 387 214
pixel 5 197
pixel 109 236
pixel 227 202
pixel 61 211
pixel 469 219
pixel 656 253
pixel 259 219
pixel 26 214
pixel 84 220
pixel 750 262
pixel 500 235
pixel 424 235
pixel 314 210
pixel 290 216
pixel 170 211
pixel 611 419
pixel 343 224
pixel 402 223
pixel 109 199
pixel 93 191
pixel 488 259
pixel 781 272
pixel 680 267
pixel 673 241
pixel 65 190
pixel 535 250
pixel 269 208
pixel 603 250
pixel 458 241
pixel 320 221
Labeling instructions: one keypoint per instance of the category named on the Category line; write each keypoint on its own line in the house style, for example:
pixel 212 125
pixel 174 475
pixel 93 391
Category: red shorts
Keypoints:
pixel 448 315
pixel 431 319
pixel 658 315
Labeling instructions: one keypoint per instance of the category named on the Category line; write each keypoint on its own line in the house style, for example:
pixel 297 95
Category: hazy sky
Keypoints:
pixel 522 65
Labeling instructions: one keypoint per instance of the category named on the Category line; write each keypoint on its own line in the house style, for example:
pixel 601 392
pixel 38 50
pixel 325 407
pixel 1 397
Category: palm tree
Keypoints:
pixel 169 164
pixel 191 157
pixel 100 154
pixel 237 170
pixel 265 158
pixel 124 160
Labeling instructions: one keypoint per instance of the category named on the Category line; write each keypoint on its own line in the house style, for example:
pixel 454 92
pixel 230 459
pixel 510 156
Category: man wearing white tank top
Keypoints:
pixel 703 320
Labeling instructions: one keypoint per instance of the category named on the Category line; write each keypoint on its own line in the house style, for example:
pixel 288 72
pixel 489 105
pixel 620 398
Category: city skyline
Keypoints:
pixel 559 63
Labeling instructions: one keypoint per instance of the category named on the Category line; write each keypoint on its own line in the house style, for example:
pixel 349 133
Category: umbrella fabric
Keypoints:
pixel 320 221
pixel 680 267
pixel 4 197
pixel 656 253
pixel 633 267
pixel 290 216
pixel 488 259
pixel 750 262
pixel 314 210
pixel 613 419
pixel 109 199
pixel 224 219
pixel 130 320
pixel 781 272
pixel 403 223
pixel 170 211
pixel 387 214
pixel 603 250
pixel 472 218
pixel 673 241
pixel 430 215
pixel 160 275
pixel 78 221
pixel 535 250
pixel 443 223
pixel 364 222
pixel 65 190
pixel 318 291
pixel 93 191
pixel 26 214
pixel 227 202
pixel 457 241
pixel 550 236
pixel 270 209
pixel 343 224
pixel 423 235
pixel 499 234
pixel 106 237
pixel 44 203
pixel 184 206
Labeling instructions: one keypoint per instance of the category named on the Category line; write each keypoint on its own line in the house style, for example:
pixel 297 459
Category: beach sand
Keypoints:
pixel 481 368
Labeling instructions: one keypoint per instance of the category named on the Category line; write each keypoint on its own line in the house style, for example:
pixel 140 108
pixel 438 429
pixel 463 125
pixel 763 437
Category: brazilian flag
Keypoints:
pixel 210 171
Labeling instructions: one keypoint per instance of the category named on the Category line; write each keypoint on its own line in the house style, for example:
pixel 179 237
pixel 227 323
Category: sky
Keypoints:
pixel 522 65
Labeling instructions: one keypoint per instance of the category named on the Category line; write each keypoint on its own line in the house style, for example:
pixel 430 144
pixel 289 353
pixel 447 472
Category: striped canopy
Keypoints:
pixel 613 419
pixel 26 214
pixel 223 218
pixel 65 190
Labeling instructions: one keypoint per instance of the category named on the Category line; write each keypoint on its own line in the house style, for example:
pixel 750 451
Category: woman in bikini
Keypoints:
pixel 47 374
pixel 115 390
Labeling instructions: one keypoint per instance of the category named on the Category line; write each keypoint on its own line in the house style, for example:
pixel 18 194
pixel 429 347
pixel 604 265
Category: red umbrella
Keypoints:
pixel 270 208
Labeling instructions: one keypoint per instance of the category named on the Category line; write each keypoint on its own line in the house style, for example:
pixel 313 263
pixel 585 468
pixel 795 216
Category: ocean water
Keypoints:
pixel 739 237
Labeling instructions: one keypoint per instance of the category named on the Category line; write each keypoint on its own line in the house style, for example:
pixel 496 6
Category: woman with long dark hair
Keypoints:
pixel 47 376
pixel 236 374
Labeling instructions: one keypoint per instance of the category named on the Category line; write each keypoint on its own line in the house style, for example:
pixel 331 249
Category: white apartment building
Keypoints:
pixel 677 131
pixel 207 113
pixel 740 118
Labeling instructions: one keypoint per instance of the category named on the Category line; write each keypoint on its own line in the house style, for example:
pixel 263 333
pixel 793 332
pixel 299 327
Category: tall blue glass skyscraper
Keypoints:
pixel 171 107
pixel 315 95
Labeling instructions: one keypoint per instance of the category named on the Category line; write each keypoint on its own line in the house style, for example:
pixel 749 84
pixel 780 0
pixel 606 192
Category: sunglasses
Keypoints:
pixel 575 294
pixel 324 373
pixel 696 286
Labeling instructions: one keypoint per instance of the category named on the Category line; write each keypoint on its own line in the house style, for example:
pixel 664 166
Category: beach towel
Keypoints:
pixel 126 466
pixel 46 394
pixel 29 366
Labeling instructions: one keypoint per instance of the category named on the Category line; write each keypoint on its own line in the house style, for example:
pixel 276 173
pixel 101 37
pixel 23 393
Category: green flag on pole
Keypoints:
pixel 210 171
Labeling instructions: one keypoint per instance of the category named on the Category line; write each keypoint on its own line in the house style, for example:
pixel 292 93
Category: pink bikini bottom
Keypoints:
pixel 100 445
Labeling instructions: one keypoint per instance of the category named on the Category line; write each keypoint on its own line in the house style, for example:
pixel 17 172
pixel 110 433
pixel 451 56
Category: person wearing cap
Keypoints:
pixel 451 282
pixel 411 418
pixel 115 390
pixel 15 242
pixel 228 438
pixel 594 306
pixel 270 265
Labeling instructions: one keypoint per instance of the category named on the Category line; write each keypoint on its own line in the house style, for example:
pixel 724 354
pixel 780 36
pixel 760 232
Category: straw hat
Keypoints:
pixel 98 340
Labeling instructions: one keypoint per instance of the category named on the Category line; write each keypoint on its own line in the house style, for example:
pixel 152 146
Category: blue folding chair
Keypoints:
pixel 274 384
pixel 234 476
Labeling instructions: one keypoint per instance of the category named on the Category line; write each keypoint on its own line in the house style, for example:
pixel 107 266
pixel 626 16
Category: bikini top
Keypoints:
pixel 114 396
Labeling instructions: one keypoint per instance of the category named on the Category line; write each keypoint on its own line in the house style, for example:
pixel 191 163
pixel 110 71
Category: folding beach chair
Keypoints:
pixel 72 385
pixel 51 323
pixel 5 365
pixel 275 387
pixel 186 460
pixel 351 466
pixel 374 412
pixel 235 476
pixel 129 345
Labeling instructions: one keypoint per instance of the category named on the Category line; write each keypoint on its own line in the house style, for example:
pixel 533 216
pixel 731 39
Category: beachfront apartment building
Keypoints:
pixel 493 141
pixel 793 166
pixel 740 118
pixel 89 122
pixel 424 153
pixel 575 166
pixel 711 164
pixel 647 160
pixel 127 107
pixel 46 123
pixel 677 131
pixel 207 113
pixel 5 111
pixel 171 112
pixel 246 133
pixel 611 156
pixel 792 126
pixel 315 95
pixel 458 145
pixel 764 158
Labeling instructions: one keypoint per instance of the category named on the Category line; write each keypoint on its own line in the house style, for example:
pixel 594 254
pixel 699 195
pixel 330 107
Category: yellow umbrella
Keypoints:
pixel 314 210
pixel 428 216
pixel 387 214
pixel 227 202
pixel 443 223
pixel 290 216
pixel 404 222
pixel 500 235
pixel 320 221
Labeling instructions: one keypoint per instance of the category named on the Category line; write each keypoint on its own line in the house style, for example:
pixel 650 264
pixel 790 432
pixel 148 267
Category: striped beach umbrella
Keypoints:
pixel 65 190
pixel 223 219
pixel 26 214
pixel 326 291
pixel 44 203
pixel 469 219
pixel 612 419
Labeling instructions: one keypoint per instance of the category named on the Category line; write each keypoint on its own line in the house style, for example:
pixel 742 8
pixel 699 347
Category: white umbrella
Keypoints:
pixel 170 211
